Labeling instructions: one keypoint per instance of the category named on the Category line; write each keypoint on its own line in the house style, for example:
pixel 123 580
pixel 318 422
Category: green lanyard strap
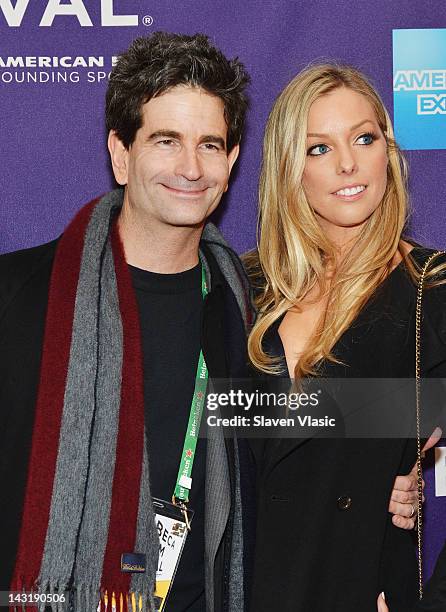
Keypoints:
pixel 184 479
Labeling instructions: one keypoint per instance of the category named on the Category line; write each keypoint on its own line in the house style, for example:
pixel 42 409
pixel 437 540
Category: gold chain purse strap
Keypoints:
pixel 418 315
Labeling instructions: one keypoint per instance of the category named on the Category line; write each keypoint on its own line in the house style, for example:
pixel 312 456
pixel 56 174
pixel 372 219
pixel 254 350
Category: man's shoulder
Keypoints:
pixel 19 265
pixel 19 268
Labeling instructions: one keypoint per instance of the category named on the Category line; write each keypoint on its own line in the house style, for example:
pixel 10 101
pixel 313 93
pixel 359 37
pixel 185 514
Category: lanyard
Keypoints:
pixel 184 480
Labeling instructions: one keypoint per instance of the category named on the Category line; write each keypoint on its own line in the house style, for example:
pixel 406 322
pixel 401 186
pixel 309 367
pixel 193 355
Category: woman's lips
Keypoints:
pixel 351 194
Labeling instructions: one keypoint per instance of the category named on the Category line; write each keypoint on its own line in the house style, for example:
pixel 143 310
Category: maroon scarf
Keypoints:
pixel 83 506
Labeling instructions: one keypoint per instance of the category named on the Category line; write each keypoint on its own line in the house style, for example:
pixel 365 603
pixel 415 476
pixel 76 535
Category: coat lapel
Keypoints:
pixel 217 483
pixel 305 429
pixel 276 449
pixel 217 505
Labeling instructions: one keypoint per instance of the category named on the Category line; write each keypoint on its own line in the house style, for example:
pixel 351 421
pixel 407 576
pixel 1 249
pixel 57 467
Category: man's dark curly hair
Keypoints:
pixel 154 64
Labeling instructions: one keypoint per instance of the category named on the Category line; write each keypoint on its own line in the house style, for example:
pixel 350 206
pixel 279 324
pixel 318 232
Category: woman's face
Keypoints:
pixel 345 172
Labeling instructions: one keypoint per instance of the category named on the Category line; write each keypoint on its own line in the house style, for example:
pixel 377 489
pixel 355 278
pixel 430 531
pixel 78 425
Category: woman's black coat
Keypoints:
pixel 325 541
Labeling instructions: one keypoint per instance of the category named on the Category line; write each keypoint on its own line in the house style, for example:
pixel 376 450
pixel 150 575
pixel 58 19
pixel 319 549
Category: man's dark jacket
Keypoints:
pixel 24 285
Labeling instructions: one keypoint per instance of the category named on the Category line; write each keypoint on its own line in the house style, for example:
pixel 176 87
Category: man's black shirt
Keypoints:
pixel 170 307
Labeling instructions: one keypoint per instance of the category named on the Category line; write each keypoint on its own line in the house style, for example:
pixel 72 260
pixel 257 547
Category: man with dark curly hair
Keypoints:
pixel 132 308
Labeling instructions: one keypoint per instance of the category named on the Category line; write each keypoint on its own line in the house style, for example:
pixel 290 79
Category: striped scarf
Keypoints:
pixel 88 498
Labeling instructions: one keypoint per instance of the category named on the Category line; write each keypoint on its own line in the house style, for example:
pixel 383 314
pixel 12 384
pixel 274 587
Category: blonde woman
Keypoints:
pixel 336 289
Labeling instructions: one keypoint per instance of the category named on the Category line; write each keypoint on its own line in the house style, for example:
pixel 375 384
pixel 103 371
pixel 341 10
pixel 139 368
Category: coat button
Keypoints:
pixel 344 502
pixel 278 498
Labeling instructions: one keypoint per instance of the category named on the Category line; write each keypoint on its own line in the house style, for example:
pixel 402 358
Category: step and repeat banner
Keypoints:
pixel 55 57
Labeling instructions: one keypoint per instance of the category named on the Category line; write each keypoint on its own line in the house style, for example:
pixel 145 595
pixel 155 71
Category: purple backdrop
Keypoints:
pixel 53 153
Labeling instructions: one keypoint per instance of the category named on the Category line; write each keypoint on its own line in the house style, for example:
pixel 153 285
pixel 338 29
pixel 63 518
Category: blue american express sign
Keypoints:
pixel 419 88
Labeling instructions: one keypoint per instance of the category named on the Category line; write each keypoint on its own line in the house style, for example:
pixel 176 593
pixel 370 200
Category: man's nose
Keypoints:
pixel 189 164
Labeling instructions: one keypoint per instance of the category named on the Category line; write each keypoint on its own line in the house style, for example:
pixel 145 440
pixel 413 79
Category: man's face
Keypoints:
pixel 177 169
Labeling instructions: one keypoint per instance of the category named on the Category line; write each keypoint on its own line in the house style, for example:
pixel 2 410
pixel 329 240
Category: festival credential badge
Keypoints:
pixel 172 531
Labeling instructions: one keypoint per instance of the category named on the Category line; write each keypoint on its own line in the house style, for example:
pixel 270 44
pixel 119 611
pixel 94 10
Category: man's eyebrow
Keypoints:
pixel 164 134
pixel 172 134
pixel 214 139
pixel 354 127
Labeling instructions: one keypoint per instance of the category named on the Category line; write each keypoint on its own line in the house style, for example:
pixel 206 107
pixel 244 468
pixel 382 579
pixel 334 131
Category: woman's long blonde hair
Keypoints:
pixel 293 251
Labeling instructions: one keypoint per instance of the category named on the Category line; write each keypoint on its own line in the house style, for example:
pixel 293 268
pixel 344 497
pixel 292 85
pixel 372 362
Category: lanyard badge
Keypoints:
pixel 173 525
pixel 173 520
